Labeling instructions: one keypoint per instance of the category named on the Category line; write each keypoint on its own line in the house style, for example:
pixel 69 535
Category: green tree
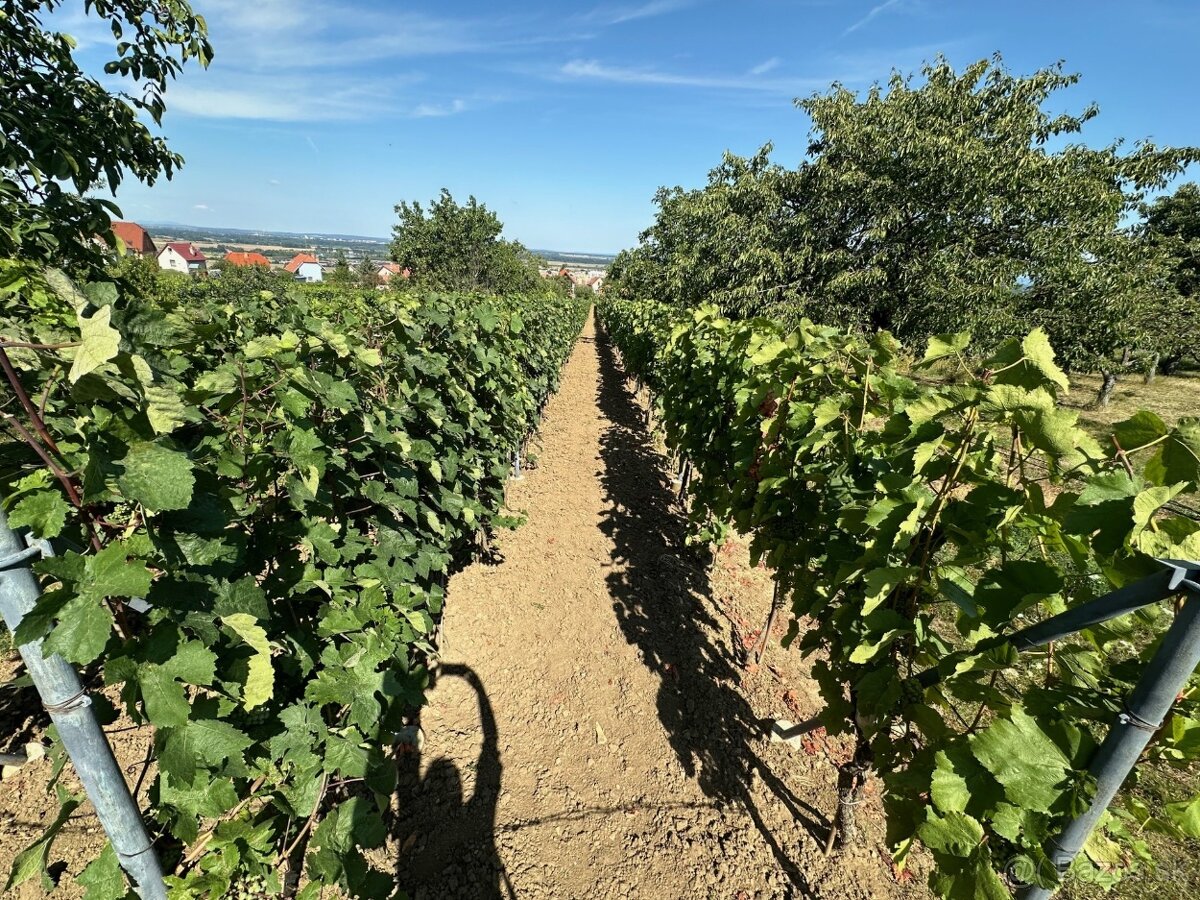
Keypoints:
pixel 367 272
pixel 457 247
pixel 65 134
pixel 926 206
pixel 342 274
pixel 1172 227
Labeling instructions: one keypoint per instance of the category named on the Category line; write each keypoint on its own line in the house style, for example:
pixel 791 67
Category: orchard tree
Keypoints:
pixel 1172 227
pixel 933 204
pixel 64 133
pixel 456 247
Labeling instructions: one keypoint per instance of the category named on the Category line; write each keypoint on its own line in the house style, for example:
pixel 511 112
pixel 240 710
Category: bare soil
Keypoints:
pixel 598 728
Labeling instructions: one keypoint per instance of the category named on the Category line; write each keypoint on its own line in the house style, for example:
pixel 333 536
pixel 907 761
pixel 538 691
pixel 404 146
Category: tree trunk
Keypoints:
pixel 1153 370
pixel 1108 387
pixel 1127 356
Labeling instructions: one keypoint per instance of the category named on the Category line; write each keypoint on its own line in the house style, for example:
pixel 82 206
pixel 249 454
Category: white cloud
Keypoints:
pixel 874 12
pixel 616 15
pixel 766 66
pixel 280 61
pixel 437 110
pixel 592 70
pixel 203 207
pixel 274 182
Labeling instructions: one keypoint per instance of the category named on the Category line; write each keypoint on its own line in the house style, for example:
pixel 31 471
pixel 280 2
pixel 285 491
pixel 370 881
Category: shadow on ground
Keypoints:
pixel 448 840
pixel 662 601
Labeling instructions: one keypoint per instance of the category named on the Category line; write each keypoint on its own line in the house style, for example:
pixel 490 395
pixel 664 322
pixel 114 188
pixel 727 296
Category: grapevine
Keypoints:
pixel 285 480
pixel 913 511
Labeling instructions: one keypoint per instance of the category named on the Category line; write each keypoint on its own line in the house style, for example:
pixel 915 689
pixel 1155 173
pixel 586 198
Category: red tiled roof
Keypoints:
pixel 299 260
pixel 134 237
pixel 392 267
pixel 187 251
pixel 235 258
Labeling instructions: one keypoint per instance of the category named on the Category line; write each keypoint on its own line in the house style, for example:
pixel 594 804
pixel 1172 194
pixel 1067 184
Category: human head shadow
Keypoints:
pixel 448 840
pixel 662 600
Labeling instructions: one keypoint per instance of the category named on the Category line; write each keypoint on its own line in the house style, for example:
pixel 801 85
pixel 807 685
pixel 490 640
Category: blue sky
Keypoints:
pixel 320 115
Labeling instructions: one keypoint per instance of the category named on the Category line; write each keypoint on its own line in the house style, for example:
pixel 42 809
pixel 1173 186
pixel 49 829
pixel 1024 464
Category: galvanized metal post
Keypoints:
pixel 516 470
pixel 69 707
pixel 1145 711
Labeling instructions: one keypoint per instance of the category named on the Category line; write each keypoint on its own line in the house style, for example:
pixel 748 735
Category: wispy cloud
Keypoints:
pixel 766 66
pixel 616 15
pixel 203 207
pixel 593 70
pixel 872 14
pixel 438 110
pixel 279 61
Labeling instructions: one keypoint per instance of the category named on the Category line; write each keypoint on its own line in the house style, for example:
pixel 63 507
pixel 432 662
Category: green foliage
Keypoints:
pixel 65 134
pixel 458 248
pixel 911 523
pixel 286 479
pixel 926 206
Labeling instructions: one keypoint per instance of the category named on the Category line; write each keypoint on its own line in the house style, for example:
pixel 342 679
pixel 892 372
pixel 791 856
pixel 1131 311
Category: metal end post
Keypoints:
pixel 70 709
pixel 1144 713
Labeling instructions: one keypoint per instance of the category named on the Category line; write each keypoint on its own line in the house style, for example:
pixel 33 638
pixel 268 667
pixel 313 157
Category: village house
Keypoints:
pixel 180 256
pixel 246 260
pixel 305 267
pixel 389 270
pixel 135 238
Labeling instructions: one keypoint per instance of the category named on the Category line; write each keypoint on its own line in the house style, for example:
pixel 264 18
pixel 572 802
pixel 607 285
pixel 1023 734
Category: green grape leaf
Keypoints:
pixel 158 478
pixel 210 742
pixel 166 704
pixel 1142 428
pixel 943 345
pixel 102 877
pixel 99 342
pixel 1185 815
pixel 44 511
pixel 955 833
pixel 84 627
pixel 260 680
pixel 961 784
pixel 1023 758
pixel 1179 459
pixel 164 409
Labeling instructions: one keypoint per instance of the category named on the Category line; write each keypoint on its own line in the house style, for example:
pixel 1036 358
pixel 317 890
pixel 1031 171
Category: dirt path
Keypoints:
pixel 592 733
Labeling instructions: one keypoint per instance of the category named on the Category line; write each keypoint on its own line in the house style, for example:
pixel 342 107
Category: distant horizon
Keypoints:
pixel 152 224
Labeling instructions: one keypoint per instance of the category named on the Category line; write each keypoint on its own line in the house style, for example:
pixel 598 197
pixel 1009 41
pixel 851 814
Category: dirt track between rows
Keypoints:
pixel 595 732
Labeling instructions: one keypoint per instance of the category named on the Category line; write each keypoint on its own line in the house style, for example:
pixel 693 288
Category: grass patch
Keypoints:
pixel 1170 396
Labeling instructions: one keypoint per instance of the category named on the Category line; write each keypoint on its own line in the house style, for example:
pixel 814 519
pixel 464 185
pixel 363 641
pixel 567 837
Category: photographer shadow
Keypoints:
pixel 448 840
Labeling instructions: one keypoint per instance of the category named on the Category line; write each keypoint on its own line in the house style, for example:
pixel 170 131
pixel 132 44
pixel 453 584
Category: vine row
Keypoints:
pixel 285 480
pixel 910 519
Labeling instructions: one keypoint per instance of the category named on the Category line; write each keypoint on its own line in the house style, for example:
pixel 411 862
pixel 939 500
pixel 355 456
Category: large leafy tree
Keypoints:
pixel 458 247
pixel 65 134
pixel 931 204
pixel 1171 227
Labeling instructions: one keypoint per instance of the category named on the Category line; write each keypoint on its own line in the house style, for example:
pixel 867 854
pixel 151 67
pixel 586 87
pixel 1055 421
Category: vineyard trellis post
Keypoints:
pixel 1144 712
pixel 70 709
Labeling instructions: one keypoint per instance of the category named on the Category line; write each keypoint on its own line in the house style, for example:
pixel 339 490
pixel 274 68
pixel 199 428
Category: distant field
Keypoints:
pixel 1170 396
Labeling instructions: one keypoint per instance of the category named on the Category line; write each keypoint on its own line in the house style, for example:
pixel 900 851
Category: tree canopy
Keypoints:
pixel 941 203
pixel 455 247
pixel 65 133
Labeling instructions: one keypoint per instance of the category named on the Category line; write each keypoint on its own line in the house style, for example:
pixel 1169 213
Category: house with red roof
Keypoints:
pixel 305 267
pixel 389 270
pixel 180 256
pixel 246 260
pixel 135 239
